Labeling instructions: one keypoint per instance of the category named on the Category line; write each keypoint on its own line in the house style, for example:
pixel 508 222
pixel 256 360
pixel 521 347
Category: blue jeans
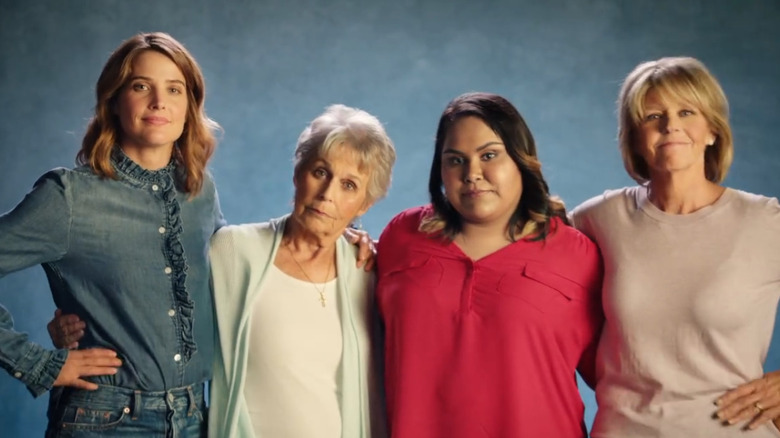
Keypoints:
pixel 112 411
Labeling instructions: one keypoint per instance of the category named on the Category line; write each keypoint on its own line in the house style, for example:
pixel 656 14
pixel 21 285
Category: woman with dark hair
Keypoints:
pixel 123 241
pixel 490 300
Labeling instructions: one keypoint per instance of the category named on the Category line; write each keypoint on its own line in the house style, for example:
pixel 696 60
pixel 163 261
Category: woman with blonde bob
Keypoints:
pixel 692 277
pixel 295 315
pixel 123 240
pixel 490 300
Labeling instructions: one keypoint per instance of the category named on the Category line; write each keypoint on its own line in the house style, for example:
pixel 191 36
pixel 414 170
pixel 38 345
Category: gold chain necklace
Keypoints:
pixel 324 284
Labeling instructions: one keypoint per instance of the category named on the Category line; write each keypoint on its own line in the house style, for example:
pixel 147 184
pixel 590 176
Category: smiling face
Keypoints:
pixel 481 181
pixel 672 136
pixel 152 105
pixel 330 192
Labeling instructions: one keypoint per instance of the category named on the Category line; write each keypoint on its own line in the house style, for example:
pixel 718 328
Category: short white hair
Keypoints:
pixel 342 125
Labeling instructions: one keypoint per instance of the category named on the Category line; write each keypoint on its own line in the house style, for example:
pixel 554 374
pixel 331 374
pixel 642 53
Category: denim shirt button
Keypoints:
pixel 155 187
pixel 18 374
pixel 168 270
pixel 126 410
pixel 161 230
pixel 171 312
pixel 176 357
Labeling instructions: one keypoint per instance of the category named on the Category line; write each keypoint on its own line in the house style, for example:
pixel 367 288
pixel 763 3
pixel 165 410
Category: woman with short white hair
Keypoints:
pixel 295 315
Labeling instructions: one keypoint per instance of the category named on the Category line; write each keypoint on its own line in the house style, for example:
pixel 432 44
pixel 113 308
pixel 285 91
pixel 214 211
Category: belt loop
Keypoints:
pixel 136 404
pixel 193 403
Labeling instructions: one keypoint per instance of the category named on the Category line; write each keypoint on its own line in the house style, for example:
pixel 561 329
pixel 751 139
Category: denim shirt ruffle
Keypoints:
pixel 165 179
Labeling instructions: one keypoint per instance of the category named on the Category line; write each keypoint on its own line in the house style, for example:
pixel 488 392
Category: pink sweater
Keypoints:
pixel 690 303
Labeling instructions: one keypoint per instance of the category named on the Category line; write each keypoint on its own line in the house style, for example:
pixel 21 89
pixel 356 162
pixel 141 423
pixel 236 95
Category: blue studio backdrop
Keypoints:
pixel 271 66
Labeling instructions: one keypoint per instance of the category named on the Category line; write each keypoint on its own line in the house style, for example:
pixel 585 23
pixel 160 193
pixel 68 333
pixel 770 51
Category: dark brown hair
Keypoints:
pixel 533 214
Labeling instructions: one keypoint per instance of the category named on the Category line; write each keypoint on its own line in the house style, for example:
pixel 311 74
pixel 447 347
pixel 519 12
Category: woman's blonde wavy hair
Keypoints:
pixel 533 216
pixel 197 143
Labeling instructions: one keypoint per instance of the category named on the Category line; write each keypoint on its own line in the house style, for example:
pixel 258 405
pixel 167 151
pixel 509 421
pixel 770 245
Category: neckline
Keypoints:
pixel 644 203
pixel 307 283
pixel 127 167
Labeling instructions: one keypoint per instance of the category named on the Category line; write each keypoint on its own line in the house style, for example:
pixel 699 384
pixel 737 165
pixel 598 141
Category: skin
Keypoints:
pixel 329 193
pixel 152 109
pixel 482 184
pixel 672 138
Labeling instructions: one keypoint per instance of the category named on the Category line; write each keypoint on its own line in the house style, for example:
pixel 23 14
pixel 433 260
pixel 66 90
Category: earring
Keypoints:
pixel 356 223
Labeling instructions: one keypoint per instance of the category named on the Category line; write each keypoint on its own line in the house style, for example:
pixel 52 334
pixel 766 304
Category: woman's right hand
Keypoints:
pixel 84 363
pixel 65 330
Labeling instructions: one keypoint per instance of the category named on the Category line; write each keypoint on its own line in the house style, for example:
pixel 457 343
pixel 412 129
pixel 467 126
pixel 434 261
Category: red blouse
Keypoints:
pixel 487 348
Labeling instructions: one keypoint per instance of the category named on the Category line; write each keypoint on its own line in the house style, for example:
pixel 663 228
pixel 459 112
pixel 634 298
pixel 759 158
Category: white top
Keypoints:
pixel 295 348
pixel 690 303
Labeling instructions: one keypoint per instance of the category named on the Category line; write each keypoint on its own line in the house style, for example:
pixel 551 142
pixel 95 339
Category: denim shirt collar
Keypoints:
pixel 130 171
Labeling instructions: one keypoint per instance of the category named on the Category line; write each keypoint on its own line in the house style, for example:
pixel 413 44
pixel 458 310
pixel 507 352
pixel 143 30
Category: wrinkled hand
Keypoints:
pixel 757 401
pixel 84 363
pixel 366 247
pixel 65 330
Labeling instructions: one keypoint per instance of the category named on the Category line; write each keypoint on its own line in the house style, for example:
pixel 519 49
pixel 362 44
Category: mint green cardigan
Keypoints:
pixel 240 258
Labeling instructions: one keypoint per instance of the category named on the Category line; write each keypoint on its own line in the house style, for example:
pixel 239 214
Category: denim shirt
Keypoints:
pixel 129 257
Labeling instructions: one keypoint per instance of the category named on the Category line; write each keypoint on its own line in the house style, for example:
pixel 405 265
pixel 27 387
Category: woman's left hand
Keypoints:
pixel 366 247
pixel 757 401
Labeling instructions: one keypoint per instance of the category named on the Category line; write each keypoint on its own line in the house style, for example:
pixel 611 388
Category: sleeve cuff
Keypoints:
pixel 39 369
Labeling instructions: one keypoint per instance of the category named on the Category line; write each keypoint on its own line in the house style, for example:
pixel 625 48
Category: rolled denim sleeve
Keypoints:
pixel 34 232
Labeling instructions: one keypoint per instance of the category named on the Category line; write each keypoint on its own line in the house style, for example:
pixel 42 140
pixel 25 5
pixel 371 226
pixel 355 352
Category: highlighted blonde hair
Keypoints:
pixel 679 78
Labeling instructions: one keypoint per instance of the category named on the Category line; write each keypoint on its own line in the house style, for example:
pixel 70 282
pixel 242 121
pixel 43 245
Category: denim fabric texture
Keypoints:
pixel 129 257
pixel 121 412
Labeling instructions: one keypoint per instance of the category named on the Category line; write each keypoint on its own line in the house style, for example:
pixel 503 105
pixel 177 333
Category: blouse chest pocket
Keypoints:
pixel 411 283
pixel 419 268
pixel 543 289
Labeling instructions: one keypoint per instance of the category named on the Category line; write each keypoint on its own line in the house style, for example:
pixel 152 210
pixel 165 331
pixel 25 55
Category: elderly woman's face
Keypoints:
pixel 330 192
pixel 673 135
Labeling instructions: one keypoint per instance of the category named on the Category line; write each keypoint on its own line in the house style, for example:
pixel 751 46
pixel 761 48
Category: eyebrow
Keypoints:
pixel 352 177
pixel 146 78
pixel 484 146
pixel 323 163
